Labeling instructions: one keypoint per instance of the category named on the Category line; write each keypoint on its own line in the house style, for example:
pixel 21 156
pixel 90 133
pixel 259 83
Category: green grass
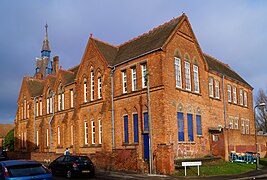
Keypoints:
pixel 219 168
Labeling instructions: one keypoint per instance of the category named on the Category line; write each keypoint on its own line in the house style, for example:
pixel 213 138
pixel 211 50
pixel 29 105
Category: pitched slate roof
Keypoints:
pixel 5 128
pixel 35 86
pixel 217 66
pixel 68 76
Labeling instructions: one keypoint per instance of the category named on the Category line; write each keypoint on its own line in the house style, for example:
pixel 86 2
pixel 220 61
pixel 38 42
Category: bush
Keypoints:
pixel 9 140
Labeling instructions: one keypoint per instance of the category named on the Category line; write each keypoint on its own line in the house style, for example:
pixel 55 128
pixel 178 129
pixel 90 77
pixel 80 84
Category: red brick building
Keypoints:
pixel 198 105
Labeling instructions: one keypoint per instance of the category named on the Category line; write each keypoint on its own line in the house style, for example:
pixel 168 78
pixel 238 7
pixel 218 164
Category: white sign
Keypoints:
pixel 196 163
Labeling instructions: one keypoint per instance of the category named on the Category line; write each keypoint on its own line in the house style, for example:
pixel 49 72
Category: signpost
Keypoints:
pixel 196 163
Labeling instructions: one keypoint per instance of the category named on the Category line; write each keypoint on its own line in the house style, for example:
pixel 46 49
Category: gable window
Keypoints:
pixel 144 74
pixel 37 108
pixel 241 97
pixel 71 98
pixel 85 90
pixel 49 103
pixel 211 86
pixel 196 79
pixel 135 123
pixel 180 117
pixel 24 108
pixel 134 79
pixel 187 76
pixel 178 74
pixel 124 82
pixel 92 86
pixel 60 98
pixel 245 99
pixel 93 131
pixel 100 130
pixel 85 132
pixel 229 92
pixel 217 89
pixel 126 135
pixel 234 95
pixel 199 125
pixel 41 108
pixel 99 87
pixel 247 126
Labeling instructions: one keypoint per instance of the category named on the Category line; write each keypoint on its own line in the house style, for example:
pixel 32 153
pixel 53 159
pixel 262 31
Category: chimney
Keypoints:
pixel 39 75
pixel 56 61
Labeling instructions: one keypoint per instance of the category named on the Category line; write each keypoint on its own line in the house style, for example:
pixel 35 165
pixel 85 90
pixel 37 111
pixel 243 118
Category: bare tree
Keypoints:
pixel 261 112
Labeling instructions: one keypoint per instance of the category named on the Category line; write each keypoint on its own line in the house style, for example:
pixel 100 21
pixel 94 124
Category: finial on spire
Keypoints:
pixel 91 35
pixel 46 26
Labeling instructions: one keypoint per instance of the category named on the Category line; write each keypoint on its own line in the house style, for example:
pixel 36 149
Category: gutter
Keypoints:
pixel 34 122
pixel 50 122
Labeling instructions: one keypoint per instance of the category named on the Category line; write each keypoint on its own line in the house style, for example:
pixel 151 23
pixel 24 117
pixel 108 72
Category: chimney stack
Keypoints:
pixel 56 61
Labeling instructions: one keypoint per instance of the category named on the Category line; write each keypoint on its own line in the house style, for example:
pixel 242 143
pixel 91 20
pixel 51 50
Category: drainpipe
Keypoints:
pixel 112 104
pixel 151 171
pixel 226 142
pixel 34 121
pixel 50 122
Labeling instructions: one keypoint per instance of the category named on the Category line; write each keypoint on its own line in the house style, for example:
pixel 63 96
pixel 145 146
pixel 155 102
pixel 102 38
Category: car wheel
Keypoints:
pixel 69 174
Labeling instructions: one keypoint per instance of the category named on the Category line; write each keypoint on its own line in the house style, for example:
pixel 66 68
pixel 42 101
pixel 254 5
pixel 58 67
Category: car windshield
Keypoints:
pixel 26 170
pixel 79 159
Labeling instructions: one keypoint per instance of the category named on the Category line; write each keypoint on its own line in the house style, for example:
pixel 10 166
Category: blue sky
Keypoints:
pixel 231 31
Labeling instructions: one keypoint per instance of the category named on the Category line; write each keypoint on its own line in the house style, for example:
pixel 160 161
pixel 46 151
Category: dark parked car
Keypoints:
pixel 3 156
pixel 69 166
pixel 23 170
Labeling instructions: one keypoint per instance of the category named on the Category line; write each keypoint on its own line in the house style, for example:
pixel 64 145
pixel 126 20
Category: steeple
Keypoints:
pixel 46 49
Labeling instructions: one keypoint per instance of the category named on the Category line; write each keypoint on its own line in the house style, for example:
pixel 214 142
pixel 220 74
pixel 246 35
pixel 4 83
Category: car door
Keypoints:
pixel 58 166
pixel 67 163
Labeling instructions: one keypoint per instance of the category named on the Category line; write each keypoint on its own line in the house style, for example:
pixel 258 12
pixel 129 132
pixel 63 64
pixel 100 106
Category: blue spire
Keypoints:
pixel 46 49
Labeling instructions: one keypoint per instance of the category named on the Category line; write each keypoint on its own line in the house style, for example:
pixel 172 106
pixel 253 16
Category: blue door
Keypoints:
pixel 146 147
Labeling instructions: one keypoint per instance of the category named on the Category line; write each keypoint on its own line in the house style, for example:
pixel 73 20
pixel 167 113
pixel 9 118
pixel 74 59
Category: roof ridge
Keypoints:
pixel 73 67
pixel 227 65
pixel 35 79
pixel 67 71
pixel 150 31
pixel 104 42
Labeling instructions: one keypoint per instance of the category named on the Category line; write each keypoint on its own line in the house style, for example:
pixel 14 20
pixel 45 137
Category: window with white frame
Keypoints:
pixel 187 76
pixel 84 90
pixel 178 73
pixel 41 108
pixel 144 75
pixel 243 126
pixel 71 135
pixel 60 98
pixel 217 89
pixel 245 99
pixel 229 93
pixel 100 131
pixel 48 102
pixel 51 103
pixel 85 132
pixel 37 138
pixel 24 108
pixel 37 108
pixel 93 131
pixel 134 79
pixel 99 87
pixel 234 95
pixel 47 137
pixel 231 121
pixel 236 123
pixel 28 110
pixel 71 98
pixel 241 97
pixel 247 126
pixel 58 135
pixel 92 86
pixel 211 87
pixel 196 79
pixel 124 82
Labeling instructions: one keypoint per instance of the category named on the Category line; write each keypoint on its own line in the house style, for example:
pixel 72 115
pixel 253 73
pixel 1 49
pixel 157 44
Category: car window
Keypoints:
pixel 26 170
pixel 82 159
pixel 69 159
pixel 60 159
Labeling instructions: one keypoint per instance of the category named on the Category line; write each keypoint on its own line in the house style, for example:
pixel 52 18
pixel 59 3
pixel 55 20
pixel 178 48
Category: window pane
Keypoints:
pixel 180 117
pixel 190 127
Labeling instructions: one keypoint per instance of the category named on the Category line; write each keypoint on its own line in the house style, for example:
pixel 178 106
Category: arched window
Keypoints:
pixel 60 98
pixel 99 86
pixel 85 132
pixel 92 84
pixel 49 102
pixel 84 90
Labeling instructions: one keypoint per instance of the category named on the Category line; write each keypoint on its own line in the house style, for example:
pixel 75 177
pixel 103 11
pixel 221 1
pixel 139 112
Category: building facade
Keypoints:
pixel 160 83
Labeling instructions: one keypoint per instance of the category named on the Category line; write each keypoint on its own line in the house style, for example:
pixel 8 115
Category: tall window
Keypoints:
pixel 229 93
pixel 92 86
pixel 24 108
pixel 217 89
pixel 41 108
pixel 99 88
pixel 241 97
pixel 60 98
pixel 37 108
pixel 178 74
pixel 47 138
pixel 135 123
pixel 37 138
pixel 243 126
pixel 236 123
pixel 180 117
pixel 126 135
pixel 71 135
pixel 144 74
pixel 199 125
pixel 245 99
pixel 234 95
pixel 85 132
pixel 134 79
pixel 196 79
pixel 100 131
pixel 190 127
pixel 93 131
pixel 247 126
pixel 25 139
pixel 58 135
pixel 211 86
pixel 85 90
pixel 124 82
pixel 28 110
pixel 146 125
pixel 71 98
pixel 231 121
pixel 187 76
pixel 49 102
